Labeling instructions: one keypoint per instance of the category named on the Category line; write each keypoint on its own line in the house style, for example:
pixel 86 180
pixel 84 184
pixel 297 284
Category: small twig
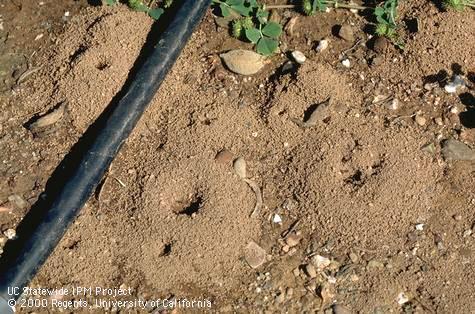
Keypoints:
pixel 257 190
pixel 356 44
pixel 337 5
pixel 120 182
pixel 382 101
pixel 27 73
pixel 292 228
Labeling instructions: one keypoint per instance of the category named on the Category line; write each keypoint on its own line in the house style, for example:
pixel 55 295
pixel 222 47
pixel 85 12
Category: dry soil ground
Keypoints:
pixel 376 216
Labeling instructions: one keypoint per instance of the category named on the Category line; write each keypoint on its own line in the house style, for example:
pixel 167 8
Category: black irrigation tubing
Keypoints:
pixel 29 253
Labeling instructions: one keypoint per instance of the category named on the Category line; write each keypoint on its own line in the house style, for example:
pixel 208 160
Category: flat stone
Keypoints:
pixel 346 33
pixel 18 201
pixel 456 150
pixel 255 255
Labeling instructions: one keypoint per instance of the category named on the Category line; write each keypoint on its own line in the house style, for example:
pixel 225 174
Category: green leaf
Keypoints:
pixel 381 20
pixel 141 8
pixel 267 46
pixel 253 35
pixel 319 5
pixel 253 3
pixel 224 10
pixel 242 9
pixel 233 3
pixel 379 11
pixel 110 2
pixel 262 16
pixel 155 13
pixel 272 29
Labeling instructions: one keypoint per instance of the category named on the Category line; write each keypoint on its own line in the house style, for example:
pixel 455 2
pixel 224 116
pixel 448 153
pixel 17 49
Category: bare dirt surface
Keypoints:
pixel 376 217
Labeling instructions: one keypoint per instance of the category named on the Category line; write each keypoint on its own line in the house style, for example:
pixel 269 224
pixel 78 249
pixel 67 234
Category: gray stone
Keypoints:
pixel 456 150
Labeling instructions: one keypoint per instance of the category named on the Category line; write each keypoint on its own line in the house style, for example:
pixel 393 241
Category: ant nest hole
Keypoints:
pixel 103 65
pixel 190 206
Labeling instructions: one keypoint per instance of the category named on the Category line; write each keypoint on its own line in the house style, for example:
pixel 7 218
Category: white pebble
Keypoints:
pixel 346 63
pixel 277 219
pixel 322 45
pixel 321 262
pixel 393 104
pixel 454 110
pixel 450 88
pixel 298 56
pixel 402 298
pixel 10 234
pixel 240 167
pixel 453 86
pixel 420 227
pixel 66 13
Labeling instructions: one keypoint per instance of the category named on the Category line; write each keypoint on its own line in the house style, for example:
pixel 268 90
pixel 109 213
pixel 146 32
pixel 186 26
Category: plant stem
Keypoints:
pixel 280 6
pixel 337 4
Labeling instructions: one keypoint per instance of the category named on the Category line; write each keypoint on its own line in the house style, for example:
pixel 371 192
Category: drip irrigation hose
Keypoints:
pixel 33 251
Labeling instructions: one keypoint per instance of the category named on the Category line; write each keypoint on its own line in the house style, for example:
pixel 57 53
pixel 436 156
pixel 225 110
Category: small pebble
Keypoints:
pixel 353 257
pixel 298 56
pixel 292 240
pixel 346 63
pixel 321 262
pixel 439 121
pixel 240 167
pixel 322 45
pixel 430 86
pixel 10 234
pixel 393 104
pixel 277 219
pixel 420 120
pixel 456 150
pixel 310 270
pixel 244 62
pixel 346 32
pixel 402 298
pixel 420 227
pixel 375 264
pixel 255 255
pixel 457 83
pixel 18 201
pixel 224 157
